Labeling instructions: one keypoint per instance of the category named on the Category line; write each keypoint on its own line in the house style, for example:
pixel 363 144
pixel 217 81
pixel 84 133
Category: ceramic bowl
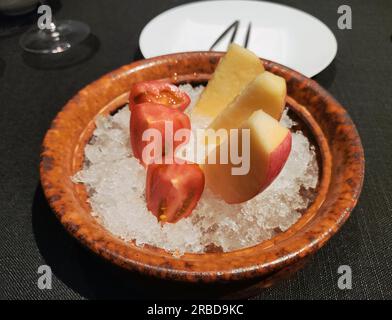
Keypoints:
pixel 322 118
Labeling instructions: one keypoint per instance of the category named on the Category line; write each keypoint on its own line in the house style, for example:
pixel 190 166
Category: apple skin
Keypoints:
pixel 277 160
pixel 263 171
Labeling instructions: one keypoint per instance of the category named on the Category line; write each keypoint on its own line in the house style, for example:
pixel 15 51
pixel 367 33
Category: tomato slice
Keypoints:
pixel 158 91
pixel 173 190
pixel 166 122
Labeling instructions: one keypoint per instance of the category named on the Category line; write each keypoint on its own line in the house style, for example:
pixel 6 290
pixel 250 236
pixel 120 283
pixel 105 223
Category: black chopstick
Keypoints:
pixel 233 25
pixel 247 35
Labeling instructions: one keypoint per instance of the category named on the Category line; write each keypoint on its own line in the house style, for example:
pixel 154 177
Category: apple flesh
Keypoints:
pixel 235 70
pixel 266 92
pixel 270 146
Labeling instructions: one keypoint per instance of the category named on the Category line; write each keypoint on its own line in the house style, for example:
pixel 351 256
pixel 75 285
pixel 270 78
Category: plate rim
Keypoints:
pixel 314 72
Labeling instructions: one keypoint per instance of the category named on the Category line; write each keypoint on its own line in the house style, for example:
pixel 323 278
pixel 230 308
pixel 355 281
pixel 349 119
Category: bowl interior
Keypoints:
pixel 322 119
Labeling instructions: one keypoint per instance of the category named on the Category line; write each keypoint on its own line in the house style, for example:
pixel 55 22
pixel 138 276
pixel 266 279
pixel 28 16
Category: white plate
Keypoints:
pixel 279 33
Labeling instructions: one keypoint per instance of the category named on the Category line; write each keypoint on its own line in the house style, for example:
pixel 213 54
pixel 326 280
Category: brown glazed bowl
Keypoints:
pixel 321 117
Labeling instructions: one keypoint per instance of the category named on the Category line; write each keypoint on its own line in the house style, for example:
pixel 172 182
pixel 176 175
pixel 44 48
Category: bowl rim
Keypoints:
pixel 191 267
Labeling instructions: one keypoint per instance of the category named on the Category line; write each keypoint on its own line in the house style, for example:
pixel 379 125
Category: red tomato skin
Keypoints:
pixel 158 91
pixel 173 190
pixel 150 115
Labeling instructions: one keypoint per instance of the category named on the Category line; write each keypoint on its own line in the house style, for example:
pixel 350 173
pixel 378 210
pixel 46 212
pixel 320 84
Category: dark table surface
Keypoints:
pixel 33 90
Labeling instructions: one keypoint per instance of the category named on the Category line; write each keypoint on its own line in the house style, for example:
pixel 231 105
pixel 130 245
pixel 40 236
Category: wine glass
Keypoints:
pixel 59 37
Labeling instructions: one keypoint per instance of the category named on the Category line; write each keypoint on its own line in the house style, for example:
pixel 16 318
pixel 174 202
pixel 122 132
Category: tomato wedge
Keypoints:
pixel 173 190
pixel 158 91
pixel 166 122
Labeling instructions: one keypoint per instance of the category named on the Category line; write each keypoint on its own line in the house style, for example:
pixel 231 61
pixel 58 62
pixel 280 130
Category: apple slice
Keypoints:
pixel 269 148
pixel 236 69
pixel 267 92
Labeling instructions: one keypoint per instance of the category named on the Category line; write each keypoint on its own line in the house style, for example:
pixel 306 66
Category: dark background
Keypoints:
pixel 33 89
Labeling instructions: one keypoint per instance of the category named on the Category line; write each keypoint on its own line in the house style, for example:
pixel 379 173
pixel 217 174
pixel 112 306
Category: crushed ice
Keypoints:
pixel 116 182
